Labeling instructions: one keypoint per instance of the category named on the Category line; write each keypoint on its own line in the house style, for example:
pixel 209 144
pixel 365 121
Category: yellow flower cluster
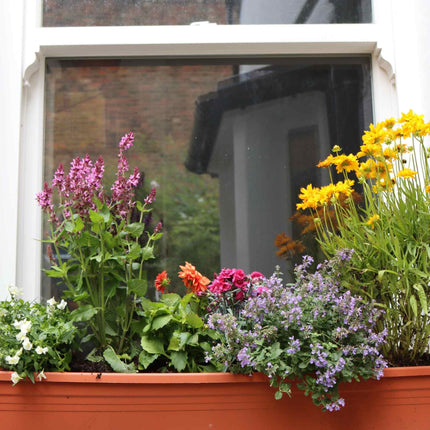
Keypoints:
pixel 379 151
pixel 312 198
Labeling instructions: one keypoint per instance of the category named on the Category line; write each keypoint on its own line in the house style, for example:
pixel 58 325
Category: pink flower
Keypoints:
pixel 256 275
pixel 126 141
pixel 151 196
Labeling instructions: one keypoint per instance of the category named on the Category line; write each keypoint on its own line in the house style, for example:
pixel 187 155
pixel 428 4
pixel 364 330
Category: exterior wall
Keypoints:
pixel 399 42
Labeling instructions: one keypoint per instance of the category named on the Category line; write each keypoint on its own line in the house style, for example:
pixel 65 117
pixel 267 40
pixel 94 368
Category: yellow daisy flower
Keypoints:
pixel 406 173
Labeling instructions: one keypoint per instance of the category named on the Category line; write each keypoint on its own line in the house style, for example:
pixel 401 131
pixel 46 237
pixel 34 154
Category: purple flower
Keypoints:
pixel 151 196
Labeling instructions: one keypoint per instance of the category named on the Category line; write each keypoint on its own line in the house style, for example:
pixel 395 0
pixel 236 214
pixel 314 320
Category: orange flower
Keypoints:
pixel 193 279
pixel 162 281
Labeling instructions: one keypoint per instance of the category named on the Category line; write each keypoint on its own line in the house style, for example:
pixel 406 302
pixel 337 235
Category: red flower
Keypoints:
pixel 193 279
pixel 162 281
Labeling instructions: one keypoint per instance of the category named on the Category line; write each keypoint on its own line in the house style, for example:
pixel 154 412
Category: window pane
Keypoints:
pixel 63 13
pixel 227 145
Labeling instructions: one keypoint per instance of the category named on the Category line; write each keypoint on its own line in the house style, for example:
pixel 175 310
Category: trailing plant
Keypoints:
pixel 389 231
pixel 312 331
pixel 34 338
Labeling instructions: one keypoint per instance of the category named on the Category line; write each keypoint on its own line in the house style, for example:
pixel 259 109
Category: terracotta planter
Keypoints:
pixel 208 401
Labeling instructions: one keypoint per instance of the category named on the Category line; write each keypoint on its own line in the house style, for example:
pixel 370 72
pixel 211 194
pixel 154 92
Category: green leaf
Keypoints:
pixel 135 229
pixel 105 213
pixel 93 357
pixel 278 395
pixel 79 225
pixel 134 252
pixel 170 299
pixel 175 343
pixel 422 297
pixel 68 226
pixel 109 330
pixel 184 336
pixel 194 320
pixel 84 313
pixel 414 305
pixel 146 359
pixel 152 345
pixel 116 363
pixel 157 236
pixel 193 340
pixel 275 350
pixel 96 218
pixel 138 286
pixel 161 321
pixel 147 253
pixel 179 360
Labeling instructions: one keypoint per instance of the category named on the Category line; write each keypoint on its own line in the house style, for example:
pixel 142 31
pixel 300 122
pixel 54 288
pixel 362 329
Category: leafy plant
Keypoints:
pixel 312 331
pixel 390 231
pixel 106 250
pixel 34 338
pixel 174 335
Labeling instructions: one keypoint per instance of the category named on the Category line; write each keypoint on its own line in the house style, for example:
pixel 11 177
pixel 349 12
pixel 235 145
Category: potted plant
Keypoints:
pixel 315 334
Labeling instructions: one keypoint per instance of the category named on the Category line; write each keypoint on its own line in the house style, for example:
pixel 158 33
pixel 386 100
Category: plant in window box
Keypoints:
pixel 389 231
pixel 34 338
pixel 312 331
pixel 107 242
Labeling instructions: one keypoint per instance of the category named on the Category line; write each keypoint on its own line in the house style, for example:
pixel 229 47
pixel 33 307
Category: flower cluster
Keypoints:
pixel 389 229
pixel 231 287
pixel 34 338
pixel 312 331
pixel 383 161
pixel 78 191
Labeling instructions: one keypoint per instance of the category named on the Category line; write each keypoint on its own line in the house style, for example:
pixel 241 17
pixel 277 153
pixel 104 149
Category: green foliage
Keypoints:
pixel 104 273
pixel 389 232
pixel 174 336
pixel 34 338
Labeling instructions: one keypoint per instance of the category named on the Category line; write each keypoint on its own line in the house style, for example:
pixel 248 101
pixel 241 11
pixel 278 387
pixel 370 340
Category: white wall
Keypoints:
pixel 11 52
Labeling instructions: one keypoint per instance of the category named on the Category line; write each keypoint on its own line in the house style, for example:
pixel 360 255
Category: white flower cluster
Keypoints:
pixel 52 302
pixel 24 326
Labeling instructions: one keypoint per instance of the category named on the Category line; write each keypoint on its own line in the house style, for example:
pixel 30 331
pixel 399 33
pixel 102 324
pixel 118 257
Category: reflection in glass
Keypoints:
pixel 227 151
pixel 63 13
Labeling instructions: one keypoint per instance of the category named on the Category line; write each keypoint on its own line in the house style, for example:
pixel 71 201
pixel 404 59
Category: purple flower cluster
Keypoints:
pixel 82 186
pixel 311 328
pixel 123 187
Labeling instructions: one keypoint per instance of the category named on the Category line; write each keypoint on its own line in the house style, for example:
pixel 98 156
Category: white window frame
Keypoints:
pixel 23 128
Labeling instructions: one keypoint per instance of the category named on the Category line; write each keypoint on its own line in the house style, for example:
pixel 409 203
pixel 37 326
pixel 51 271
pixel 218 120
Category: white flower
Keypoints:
pixel 23 325
pixel 41 376
pixel 12 360
pixel 3 312
pixel 40 350
pixel 14 291
pixel 19 352
pixel 26 344
pixel 51 301
pixel 154 184
pixel 21 336
pixel 62 304
pixel 15 378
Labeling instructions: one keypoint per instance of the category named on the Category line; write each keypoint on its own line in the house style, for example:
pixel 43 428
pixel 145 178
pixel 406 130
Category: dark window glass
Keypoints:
pixel 228 145
pixel 64 13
